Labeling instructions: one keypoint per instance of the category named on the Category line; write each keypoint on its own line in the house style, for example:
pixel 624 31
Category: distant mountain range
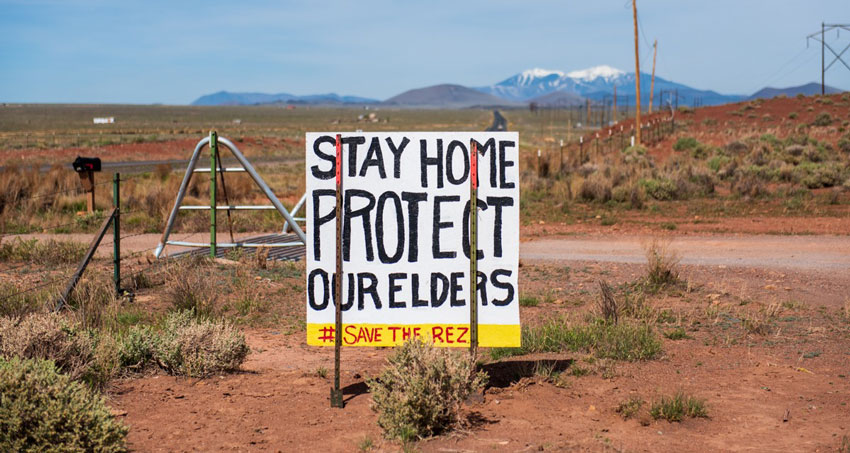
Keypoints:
pixel 541 86
pixel 596 84
pixel 809 89
pixel 448 96
pixel 227 98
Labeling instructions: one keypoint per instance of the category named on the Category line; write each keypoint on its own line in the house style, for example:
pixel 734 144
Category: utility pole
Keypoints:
pixel 637 75
pixel 824 47
pixel 587 119
pixel 652 82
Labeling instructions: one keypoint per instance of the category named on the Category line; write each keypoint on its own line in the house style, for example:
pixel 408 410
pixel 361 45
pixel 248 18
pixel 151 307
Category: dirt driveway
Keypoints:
pixel 819 252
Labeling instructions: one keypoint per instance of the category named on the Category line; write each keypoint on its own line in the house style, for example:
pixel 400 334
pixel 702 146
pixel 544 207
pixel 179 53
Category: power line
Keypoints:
pixel 778 71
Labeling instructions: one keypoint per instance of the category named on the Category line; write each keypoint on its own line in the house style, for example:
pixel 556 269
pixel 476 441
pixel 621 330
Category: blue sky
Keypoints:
pixel 127 51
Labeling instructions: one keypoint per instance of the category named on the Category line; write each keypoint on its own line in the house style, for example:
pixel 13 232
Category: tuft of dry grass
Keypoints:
pixel 676 407
pixel 761 322
pixel 607 304
pixel 92 299
pixel 661 264
pixel 46 253
pixel 189 287
pixel 15 301
pixel 630 407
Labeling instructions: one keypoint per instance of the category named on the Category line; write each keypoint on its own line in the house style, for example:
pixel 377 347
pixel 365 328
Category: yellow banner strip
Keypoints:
pixel 445 335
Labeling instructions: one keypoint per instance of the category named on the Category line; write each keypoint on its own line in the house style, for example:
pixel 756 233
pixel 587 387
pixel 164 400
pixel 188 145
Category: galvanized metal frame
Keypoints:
pixel 291 222
pixel 294 212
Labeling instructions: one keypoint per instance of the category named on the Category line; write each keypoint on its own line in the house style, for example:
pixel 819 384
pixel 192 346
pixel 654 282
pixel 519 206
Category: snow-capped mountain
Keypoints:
pixel 589 74
pixel 595 83
pixel 542 86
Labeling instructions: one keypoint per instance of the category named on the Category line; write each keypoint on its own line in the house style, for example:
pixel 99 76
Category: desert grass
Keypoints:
pixel 624 341
pixel 678 406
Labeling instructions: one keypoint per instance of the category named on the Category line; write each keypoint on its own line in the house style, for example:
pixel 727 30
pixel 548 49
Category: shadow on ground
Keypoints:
pixel 505 373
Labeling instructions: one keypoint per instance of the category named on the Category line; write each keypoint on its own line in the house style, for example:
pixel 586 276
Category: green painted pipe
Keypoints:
pixel 213 177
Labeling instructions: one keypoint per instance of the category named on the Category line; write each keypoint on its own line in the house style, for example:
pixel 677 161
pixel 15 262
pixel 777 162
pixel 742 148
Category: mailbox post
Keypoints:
pixel 86 167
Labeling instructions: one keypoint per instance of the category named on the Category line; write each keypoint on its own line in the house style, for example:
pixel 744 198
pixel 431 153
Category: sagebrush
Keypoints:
pixel 50 336
pixel 44 410
pixel 420 391
pixel 185 345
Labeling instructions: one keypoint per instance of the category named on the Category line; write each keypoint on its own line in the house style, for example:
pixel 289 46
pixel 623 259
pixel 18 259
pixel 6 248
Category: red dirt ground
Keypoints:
pixel 750 382
pixel 721 124
pixel 751 385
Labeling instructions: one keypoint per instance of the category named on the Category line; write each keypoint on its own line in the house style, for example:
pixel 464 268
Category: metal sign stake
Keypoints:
pixel 473 250
pixel 336 392
pixel 213 202
pixel 116 233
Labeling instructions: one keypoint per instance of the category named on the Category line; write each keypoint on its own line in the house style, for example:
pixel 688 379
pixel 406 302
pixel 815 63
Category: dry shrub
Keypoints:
pixel 241 186
pixel 562 191
pixel 198 348
pixel 596 187
pixel 158 202
pixel 189 287
pixel 661 263
pixel 49 336
pixel 607 305
pixel 16 301
pixel 420 391
pixel 44 410
pixel 659 188
pixel 748 186
pixel 162 171
pixel 49 252
pixel 137 348
pixel 631 193
pixel 261 257
pixel 91 299
pixel 13 187
pixel 693 182
pixel 822 119
pixel 634 304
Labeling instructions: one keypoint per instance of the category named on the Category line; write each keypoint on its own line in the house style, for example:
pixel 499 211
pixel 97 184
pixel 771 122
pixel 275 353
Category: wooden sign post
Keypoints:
pixel 336 391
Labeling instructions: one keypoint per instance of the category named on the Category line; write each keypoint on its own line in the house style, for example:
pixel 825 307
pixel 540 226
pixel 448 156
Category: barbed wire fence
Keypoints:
pixel 558 159
pixel 124 270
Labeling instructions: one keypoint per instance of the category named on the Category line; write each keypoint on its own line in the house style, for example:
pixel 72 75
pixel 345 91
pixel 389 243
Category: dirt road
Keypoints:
pixel 810 252
pixel 819 252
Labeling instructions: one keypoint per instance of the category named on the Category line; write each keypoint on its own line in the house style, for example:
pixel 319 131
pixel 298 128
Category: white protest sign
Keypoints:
pixel 405 238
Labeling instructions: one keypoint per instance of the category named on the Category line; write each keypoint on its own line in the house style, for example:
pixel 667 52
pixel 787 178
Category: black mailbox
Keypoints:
pixel 86 164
